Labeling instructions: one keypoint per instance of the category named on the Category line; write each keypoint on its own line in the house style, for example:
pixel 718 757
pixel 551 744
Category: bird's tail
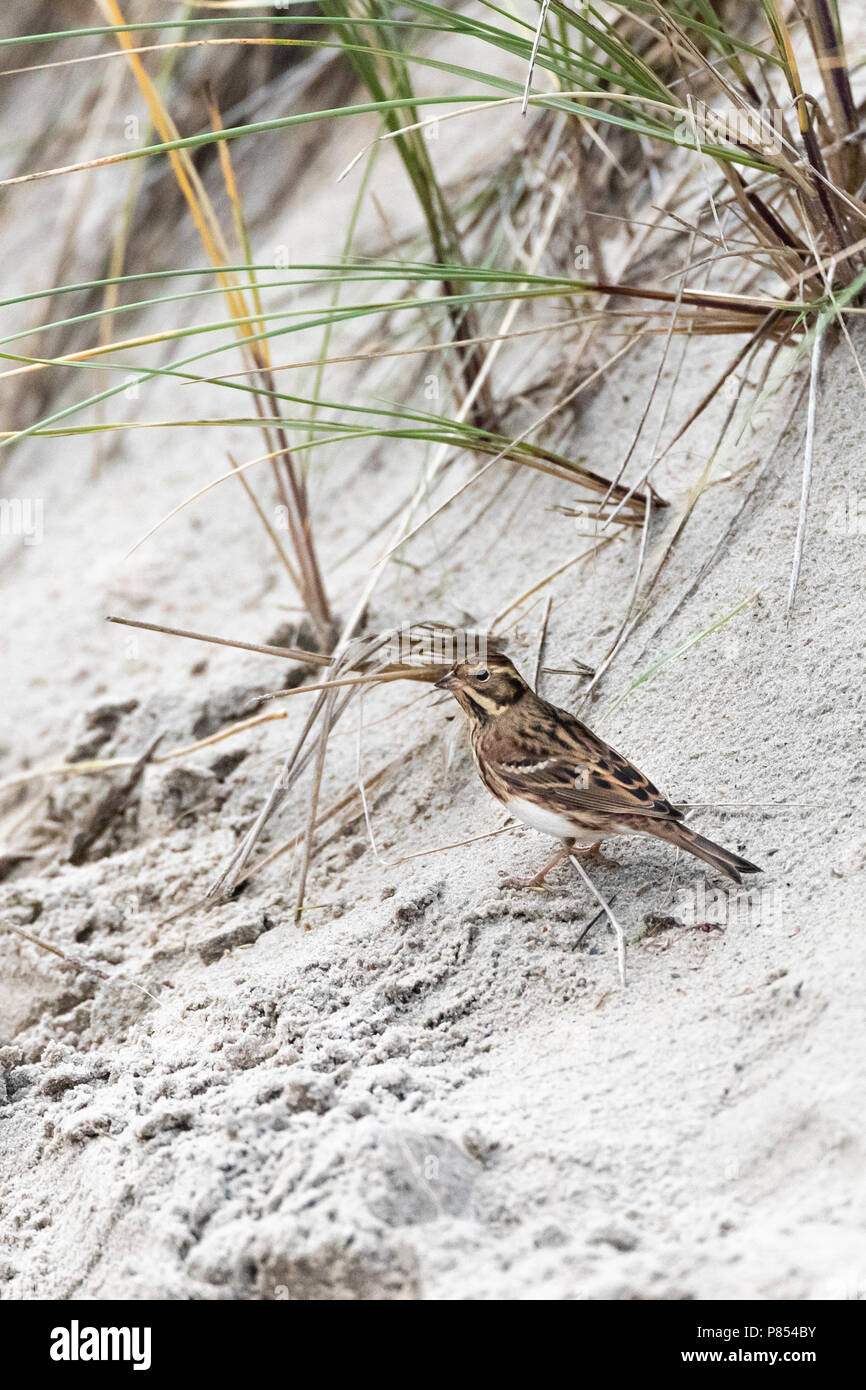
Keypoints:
pixel 681 835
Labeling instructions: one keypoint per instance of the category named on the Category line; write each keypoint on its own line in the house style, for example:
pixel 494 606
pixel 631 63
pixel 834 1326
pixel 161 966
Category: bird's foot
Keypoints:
pixel 536 881
pixel 594 852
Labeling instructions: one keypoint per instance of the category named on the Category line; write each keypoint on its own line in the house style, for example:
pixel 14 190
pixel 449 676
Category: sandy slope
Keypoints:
pixel 432 1091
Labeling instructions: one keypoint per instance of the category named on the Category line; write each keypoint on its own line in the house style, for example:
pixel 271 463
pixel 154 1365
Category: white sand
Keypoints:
pixel 428 1092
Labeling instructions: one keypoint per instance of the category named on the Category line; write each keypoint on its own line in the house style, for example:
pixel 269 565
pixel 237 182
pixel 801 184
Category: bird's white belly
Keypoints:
pixel 547 821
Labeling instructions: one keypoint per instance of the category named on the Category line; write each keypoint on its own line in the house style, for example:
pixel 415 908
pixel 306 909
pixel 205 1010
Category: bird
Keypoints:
pixel 553 773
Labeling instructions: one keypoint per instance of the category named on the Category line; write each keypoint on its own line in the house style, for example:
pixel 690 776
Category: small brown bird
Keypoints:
pixel 552 772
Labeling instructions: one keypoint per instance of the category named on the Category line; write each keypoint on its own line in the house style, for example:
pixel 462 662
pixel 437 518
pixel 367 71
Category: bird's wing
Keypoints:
pixel 569 768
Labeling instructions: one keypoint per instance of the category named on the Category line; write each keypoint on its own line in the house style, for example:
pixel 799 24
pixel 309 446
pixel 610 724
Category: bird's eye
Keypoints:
pixel 482 675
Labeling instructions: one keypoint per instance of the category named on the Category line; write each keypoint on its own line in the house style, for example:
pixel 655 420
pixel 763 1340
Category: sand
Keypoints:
pixel 428 1089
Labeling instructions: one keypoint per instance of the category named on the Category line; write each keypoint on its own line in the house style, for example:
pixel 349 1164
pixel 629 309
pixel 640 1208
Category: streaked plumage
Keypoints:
pixel 552 772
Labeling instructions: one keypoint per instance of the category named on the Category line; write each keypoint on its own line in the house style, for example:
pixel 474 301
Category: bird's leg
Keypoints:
pixel 537 880
pixel 594 852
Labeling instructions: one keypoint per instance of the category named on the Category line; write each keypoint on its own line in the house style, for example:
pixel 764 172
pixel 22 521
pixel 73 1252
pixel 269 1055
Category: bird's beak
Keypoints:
pixel 448 681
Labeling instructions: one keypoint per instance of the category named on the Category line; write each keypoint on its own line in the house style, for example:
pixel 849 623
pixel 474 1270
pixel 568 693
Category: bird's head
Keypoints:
pixel 485 689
